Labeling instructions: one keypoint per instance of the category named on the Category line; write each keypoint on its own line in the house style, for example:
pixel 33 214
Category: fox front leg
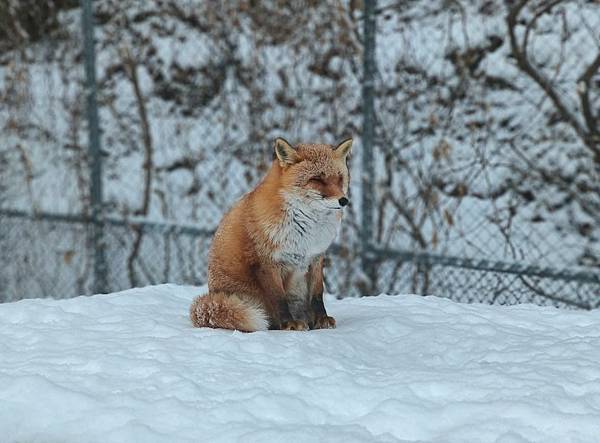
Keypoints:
pixel 320 319
pixel 271 285
pixel 287 321
pixel 298 297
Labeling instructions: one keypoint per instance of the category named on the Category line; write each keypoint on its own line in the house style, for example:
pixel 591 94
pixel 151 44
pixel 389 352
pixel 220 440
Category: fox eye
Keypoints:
pixel 317 180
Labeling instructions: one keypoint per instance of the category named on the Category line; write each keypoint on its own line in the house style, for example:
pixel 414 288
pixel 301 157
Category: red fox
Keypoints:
pixel 265 266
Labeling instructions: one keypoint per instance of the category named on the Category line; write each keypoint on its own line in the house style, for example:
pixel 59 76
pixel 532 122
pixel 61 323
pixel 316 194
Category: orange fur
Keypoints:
pixel 248 267
pixel 219 310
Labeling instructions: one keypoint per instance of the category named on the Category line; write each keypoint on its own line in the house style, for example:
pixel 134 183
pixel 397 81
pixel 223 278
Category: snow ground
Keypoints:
pixel 129 367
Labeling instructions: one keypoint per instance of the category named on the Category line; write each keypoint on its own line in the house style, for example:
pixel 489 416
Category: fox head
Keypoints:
pixel 314 174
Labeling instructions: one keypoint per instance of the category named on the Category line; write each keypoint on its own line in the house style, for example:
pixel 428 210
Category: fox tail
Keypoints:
pixel 228 311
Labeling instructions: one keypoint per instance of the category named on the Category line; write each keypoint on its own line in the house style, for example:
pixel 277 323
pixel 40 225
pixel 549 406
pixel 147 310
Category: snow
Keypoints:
pixel 129 367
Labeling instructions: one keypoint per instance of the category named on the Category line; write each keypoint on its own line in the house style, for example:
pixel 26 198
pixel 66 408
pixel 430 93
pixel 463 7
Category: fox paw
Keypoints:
pixel 294 325
pixel 325 322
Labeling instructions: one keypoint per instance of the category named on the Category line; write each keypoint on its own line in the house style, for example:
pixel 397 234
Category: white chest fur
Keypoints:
pixel 305 232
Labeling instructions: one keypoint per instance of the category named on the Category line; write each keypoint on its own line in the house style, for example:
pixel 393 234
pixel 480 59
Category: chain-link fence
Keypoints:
pixel 476 166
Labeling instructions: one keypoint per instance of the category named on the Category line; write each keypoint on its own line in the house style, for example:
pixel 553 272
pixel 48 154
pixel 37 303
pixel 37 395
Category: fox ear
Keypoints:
pixel 285 153
pixel 343 149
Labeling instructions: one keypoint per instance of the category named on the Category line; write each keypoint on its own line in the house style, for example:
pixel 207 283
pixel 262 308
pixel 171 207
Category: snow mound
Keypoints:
pixel 129 367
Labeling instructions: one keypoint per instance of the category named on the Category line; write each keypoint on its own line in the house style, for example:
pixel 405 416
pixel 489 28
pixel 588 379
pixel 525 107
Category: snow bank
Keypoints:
pixel 128 367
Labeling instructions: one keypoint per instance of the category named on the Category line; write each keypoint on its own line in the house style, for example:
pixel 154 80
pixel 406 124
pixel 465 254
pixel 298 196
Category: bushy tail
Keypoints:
pixel 227 311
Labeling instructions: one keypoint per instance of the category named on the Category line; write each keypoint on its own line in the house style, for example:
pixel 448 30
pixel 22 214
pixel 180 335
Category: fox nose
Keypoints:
pixel 343 201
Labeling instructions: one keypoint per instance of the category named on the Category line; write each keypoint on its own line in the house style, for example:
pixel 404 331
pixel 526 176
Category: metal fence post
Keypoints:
pixel 94 150
pixel 368 138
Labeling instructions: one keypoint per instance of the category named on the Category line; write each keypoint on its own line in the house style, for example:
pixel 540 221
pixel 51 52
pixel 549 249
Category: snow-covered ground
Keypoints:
pixel 129 367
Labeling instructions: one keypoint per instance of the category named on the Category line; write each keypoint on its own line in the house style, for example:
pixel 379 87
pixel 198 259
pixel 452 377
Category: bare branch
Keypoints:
pixel 519 51
pixel 541 11
pixel 583 87
pixel 131 71
pixel 406 214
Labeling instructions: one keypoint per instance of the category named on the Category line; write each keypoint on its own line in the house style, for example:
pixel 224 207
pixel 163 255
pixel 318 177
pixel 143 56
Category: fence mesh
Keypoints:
pixel 483 139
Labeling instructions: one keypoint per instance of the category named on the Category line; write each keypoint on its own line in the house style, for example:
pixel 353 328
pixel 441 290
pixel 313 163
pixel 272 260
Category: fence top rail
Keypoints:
pixel 428 258
pixel 376 254
pixel 135 222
